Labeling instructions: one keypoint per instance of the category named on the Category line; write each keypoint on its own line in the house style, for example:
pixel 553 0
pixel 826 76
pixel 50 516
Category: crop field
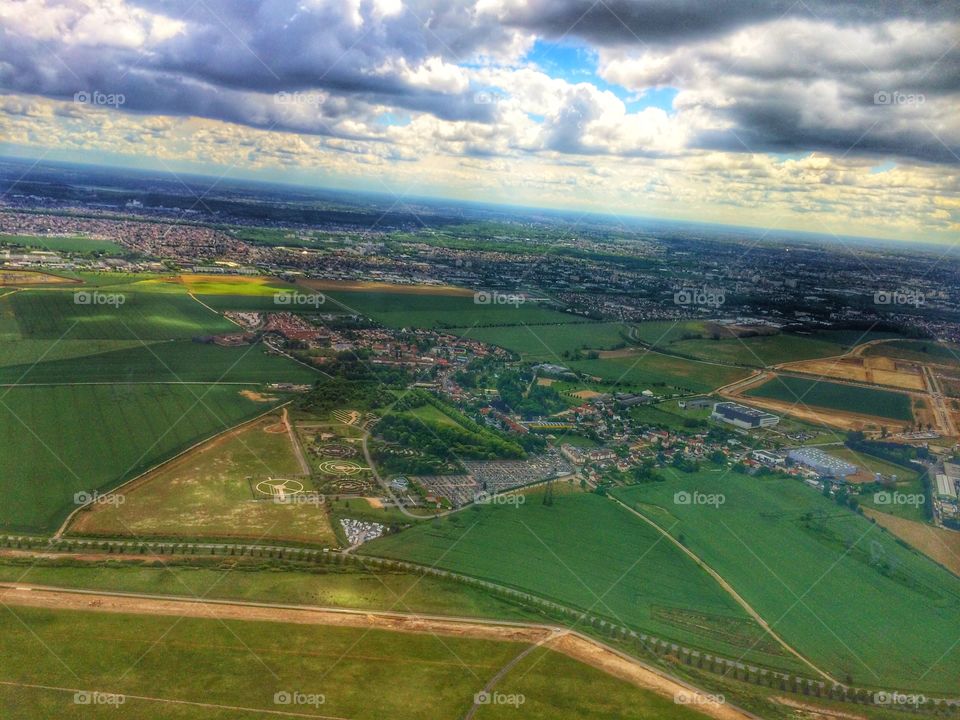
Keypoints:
pixel 922 351
pixel 399 309
pixel 586 552
pixel 256 580
pixel 835 396
pixel 939 544
pixel 154 315
pixel 696 338
pixel 57 441
pixel 160 667
pixel 176 361
pixel 56 243
pixel 232 284
pixel 219 490
pixel 835 586
pixel 548 343
pixel 652 370
pixel 24 278
pixel 871 370
pixel 382 287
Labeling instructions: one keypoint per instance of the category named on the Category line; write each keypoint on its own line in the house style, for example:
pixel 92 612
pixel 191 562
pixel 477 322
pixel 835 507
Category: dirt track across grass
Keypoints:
pixel 572 644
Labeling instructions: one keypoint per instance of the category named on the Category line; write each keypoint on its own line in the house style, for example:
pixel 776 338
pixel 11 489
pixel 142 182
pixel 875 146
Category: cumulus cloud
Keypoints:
pixel 769 96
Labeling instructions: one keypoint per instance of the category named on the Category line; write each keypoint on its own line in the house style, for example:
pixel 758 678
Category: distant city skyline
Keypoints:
pixel 837 118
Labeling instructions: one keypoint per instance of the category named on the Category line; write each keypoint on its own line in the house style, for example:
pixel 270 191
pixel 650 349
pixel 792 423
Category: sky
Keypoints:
pixel 831 116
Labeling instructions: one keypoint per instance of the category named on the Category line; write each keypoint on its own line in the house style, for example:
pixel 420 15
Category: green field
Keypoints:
pixel 692 338
pixel 176 361
pixel 548 343
pixel 587 553
pixel 835 396
pixel 360 673
pixel 213 493
pixel 77 244
pixel 160 314
pixel 653 370
pixel 399 310
pixel 918 351
pixel 432 414
pixel 56 441
pixel 260 580
pixel 837 587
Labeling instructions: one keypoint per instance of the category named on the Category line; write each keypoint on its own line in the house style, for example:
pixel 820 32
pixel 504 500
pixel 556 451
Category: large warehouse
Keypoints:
pixel 827 465
pixel 743 416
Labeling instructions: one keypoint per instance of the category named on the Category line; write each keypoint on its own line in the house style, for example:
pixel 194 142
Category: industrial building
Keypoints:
pixel 743 416
pixel 826 465
pixel 947 488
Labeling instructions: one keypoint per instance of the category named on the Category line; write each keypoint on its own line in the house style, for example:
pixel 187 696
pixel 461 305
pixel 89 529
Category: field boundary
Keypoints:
pixel 729 590
pixel 578 646
pixel 69 519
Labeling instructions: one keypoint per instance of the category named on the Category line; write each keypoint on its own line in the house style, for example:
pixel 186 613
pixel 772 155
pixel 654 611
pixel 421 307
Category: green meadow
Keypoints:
pixel 837 587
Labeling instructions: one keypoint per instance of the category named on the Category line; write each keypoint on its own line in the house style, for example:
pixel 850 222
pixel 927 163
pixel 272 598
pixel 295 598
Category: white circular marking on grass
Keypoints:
pixel 278 487
pixel 339 467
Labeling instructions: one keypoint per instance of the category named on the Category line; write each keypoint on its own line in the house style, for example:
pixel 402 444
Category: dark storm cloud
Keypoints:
pixel 233 47
pixel 342 63
pixel 611 22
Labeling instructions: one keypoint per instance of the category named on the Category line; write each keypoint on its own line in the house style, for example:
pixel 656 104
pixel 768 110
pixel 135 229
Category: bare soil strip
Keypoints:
pixel 939 544
pixel 572 644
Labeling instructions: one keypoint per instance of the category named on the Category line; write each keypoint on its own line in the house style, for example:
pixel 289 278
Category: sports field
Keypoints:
pixel 57 441
pixel 835 586
pixel 585 552
pixel 222 489
pixel 835 396
pixel 160 664
pixel 653 370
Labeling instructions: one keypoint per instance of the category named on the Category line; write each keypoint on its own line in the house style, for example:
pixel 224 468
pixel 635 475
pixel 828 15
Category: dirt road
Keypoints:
pixel 730 591
pixel 570 643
